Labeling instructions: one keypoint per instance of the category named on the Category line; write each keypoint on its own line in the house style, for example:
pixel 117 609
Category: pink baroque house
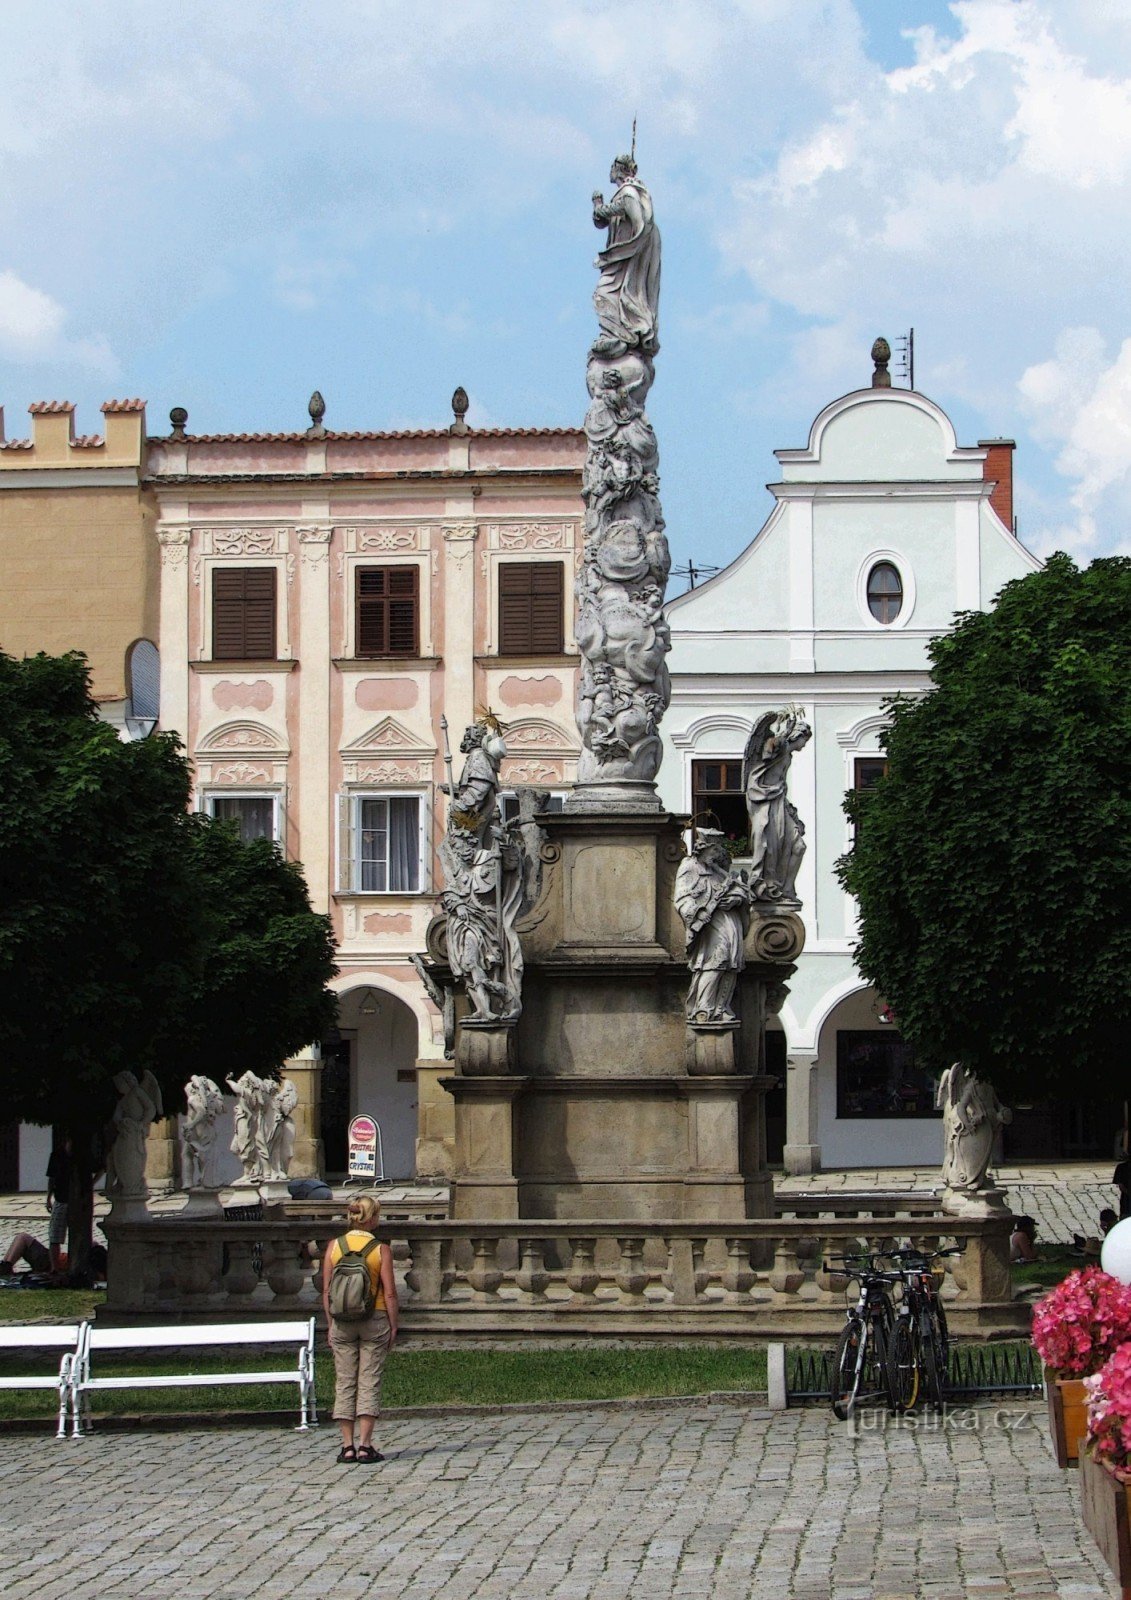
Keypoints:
pixel 325 597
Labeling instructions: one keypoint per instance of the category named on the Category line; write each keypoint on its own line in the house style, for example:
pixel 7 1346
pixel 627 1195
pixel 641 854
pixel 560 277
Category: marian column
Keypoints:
pixel 624 687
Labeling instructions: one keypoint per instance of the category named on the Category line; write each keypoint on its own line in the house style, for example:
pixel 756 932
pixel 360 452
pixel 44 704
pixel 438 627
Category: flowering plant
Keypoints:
pixel 1082 1322
pixel 1109 1412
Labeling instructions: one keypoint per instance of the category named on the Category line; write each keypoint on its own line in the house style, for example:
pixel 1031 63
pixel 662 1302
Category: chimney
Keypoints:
pixel 998 470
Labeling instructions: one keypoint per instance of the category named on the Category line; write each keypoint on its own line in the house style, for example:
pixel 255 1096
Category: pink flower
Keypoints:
pixel 1082 1322
pixel 1109 1411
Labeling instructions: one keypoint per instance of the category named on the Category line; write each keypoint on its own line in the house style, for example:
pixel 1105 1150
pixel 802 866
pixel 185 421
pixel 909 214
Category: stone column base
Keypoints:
pixel 485 1047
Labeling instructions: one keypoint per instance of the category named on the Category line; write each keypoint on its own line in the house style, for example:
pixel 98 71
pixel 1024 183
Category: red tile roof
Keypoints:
pixel 123 405
pixel 88 441
pixel 40 408
pixel 15 444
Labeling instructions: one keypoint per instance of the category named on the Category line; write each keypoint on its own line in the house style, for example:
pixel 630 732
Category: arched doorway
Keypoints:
pixel 370 1067
pixel 877 1105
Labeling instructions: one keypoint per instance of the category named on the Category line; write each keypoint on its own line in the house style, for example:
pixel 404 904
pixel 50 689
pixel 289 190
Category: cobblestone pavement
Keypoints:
pixel 694 1500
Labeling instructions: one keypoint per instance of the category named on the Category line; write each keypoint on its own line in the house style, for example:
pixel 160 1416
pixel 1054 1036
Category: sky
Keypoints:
pixel 227 206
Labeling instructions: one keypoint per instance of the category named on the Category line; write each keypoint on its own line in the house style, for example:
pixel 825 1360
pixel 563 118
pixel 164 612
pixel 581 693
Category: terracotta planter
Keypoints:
pixel 1104 1500
pixel 1067 1416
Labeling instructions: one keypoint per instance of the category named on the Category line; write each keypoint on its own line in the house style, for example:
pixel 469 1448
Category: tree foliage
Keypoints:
pixel 133 934
pixel 992 864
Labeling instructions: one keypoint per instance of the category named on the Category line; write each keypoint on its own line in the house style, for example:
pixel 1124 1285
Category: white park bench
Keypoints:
pixel 98 1341
pixel 64 1336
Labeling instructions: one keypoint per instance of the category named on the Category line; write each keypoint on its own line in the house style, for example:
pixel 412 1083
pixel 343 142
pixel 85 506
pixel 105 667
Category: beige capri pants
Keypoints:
pixel 359 1350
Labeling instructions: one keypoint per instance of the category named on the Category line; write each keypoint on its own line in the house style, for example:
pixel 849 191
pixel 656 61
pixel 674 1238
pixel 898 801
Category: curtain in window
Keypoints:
pixel 254 813
pixel 389 843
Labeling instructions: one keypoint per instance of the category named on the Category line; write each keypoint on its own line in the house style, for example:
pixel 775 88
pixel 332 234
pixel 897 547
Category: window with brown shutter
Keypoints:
pixel 388 611
pixel 531 621
pixel 243 614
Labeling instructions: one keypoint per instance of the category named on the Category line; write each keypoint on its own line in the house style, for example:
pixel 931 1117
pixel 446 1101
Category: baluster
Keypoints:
pixel 700 1273
pixel 632 1276
pixel 284 1272
pixel 240 1278
pixel 830 1282
pixel 484 1276
pixel 738 1274
pixel 583 1277
pixel 786 1276
pixel 424 1277
pixel 447 1266
pixel 321 1245
pixel 532 1277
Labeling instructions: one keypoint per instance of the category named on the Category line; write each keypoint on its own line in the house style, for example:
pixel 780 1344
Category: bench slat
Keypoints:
pixel 199 1335
pixel 37 1383
pixel 152 1380
pixel 35 1337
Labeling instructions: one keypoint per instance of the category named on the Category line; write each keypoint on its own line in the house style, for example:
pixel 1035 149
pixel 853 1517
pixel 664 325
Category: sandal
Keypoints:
pixel 347 1454
pixel 367 1453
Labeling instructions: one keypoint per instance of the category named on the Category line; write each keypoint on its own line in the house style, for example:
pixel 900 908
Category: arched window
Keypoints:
pixel 143 686
pixel 885 592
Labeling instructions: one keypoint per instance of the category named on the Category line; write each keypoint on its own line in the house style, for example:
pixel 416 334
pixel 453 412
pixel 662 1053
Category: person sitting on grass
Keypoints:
pixel 361 1314
pixel 1021 1245
pixel 1091 1246
pixel 26 1247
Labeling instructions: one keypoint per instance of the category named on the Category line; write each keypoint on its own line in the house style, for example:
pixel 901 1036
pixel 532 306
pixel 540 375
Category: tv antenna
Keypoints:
pixel 905 356
pixel 691 572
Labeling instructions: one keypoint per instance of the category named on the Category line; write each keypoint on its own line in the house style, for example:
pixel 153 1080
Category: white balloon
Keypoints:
pixel 1115 1255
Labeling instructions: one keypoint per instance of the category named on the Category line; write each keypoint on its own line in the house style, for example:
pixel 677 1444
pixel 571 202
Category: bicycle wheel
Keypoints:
pixel 901 1369
pixel 929 1355
pixel 942 1336
pixel 847 1366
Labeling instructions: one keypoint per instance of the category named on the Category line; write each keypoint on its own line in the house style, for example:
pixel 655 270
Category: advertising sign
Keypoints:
pixel 364 1139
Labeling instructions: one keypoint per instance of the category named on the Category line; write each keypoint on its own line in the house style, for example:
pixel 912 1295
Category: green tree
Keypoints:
pixel 133 935
pixel 992 864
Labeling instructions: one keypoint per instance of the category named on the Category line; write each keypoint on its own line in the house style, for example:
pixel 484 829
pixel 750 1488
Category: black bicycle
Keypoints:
pixel 860 1366
pixel 919 1344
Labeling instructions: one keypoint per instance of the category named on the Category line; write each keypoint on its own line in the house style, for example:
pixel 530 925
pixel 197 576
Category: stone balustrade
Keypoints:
pixel 529 1279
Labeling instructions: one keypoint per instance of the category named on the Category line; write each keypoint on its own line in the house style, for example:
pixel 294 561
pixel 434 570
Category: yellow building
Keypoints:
pixel 79 564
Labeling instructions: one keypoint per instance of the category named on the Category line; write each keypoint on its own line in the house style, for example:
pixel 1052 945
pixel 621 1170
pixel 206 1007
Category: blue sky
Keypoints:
pixel 225 206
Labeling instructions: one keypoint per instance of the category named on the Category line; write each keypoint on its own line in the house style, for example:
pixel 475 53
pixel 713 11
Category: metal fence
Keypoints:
pixel 974 1370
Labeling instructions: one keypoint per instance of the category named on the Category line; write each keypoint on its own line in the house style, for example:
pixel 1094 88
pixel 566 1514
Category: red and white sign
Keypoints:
pixel 363 1140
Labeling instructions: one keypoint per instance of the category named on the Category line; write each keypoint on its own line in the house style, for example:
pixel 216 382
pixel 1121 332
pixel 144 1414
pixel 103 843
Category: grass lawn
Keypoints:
pixel 434 1377
pixel 44 1305
pixel 1056 1262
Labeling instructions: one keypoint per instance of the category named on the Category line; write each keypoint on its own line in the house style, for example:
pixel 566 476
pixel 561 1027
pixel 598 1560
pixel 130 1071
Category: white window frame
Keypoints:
pixel 349 828
pixel 223 792
pixel 906 577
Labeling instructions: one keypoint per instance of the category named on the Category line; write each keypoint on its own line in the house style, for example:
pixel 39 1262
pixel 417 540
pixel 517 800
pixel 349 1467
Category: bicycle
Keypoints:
pixel 919 1345
pixel 863 1345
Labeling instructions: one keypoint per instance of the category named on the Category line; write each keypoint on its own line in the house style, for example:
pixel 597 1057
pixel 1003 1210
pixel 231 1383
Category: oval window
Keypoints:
pixel 885 592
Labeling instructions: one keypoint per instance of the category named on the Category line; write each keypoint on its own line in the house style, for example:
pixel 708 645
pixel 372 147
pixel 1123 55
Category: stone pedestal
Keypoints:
pixel 484 1185
pixel 305 1072
pixel 603 1101
pixel 802 1153
pixel 202 1205
pixel 163 1156
pixel 436 1139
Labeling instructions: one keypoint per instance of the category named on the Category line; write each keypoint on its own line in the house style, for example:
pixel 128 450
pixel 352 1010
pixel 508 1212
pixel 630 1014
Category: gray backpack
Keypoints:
pixel 352 1296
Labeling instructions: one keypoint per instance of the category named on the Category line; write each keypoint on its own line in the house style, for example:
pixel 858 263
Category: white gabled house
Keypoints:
pixel 883 528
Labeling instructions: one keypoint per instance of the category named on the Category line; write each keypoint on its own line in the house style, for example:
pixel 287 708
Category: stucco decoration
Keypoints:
pixel 545 691
pixel 624 688
pixel 529 535
pixel 387 539
pixel 238 737
pixel 386 694
pixel 777 833
pixel 174 544
pixel 714 902
pixel 204 1103
pixel 483 880
pixel 139 1106
pixel 972 1116
pixel 245 541
pixel 392 735
pixel 257 696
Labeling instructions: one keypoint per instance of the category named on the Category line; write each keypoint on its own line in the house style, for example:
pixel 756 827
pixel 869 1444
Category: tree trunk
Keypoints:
pixel 85 1163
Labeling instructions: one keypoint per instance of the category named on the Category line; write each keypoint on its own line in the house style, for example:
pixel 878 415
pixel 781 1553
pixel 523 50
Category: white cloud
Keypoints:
pixel 33 329
pixel 1081 402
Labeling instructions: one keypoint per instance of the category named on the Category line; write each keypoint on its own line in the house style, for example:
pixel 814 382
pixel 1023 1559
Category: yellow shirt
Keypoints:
pixel 357 1239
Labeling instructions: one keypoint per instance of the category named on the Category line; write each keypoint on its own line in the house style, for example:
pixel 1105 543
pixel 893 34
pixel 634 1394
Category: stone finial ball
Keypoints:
pixel 881 350
pixel 316 407
pixel 460 403
pixel 178 416
pixel 1115 1252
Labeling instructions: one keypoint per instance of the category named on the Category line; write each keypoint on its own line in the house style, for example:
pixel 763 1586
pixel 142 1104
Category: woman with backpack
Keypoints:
pixel 359 1294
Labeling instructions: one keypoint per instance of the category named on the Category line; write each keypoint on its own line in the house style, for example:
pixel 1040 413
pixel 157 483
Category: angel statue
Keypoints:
pixel 249 1142
pixel 138 1107
pixel 714 902
pixel 279 1125
pixel 777 833
pixel 198 1132
pixel 972 1115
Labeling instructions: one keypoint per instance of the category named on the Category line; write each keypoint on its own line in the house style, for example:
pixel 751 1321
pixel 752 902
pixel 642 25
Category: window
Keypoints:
pixel 388 609
pixel 508 803
pixel 717 800
pixel 530 608
pixel 885 592
pixel 243 613
pixel 876 1076
pixel 382 851
pixel 867 772
pixel 255 813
